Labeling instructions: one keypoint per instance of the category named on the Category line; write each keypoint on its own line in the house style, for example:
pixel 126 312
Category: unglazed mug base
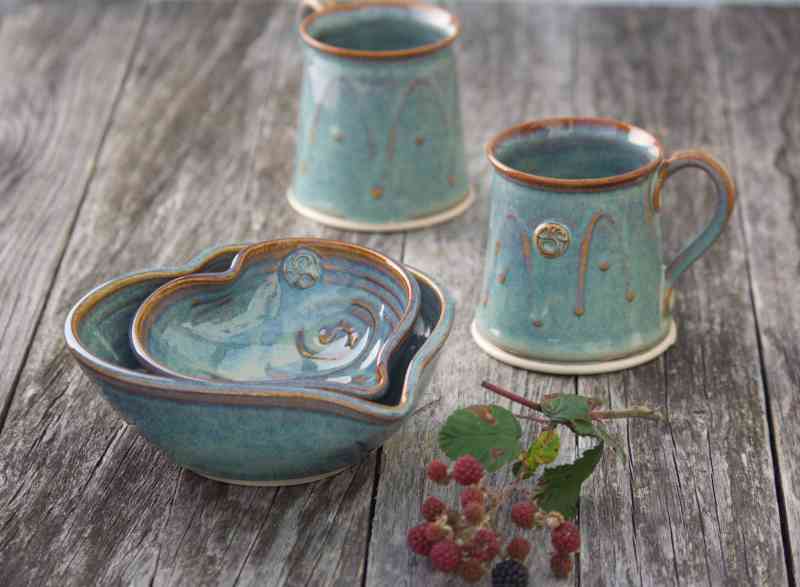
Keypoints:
pixel 280 483
pixel 574 367
pixel 399 226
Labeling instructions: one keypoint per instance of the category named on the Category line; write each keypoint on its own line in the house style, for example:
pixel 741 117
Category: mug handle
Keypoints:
pixel 306 7
pixel 726 195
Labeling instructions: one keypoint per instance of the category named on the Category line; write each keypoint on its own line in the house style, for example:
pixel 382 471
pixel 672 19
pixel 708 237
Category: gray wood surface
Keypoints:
pixel 135 136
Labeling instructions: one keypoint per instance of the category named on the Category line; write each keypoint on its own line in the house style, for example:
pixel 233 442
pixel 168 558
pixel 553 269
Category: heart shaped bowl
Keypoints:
pixel 304 312
pixel 247 433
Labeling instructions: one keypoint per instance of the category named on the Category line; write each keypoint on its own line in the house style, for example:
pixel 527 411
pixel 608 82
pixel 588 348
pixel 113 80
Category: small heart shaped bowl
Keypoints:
pixel 247 433
pixel 307 312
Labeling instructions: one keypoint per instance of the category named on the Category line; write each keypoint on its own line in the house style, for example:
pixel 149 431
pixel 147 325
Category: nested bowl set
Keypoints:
pixel 285 361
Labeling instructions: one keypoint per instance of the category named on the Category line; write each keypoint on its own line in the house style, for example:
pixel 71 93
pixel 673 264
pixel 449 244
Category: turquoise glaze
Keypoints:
pixel 312 312
pixel 244 432
pixel 379 138
pixel 574 269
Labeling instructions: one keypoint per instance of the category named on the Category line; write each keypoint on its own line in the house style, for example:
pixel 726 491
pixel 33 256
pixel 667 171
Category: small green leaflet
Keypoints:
pixel 559 488
pixel 489 433
pixel 567 408
pixel 543 451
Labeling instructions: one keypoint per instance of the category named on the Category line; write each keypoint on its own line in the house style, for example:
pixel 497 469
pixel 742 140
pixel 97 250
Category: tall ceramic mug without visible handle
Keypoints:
pixel 379 139
pixel 574 279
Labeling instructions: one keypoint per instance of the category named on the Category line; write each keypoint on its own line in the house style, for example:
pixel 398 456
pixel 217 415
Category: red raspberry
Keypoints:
pixel 437 472
pixel 561 565
pixel 518 549
pixel 468 470
pixel 566 538
pixel 471 570
pixel 474 512
pixel 417 541
pixel 432 508
pixel 522 514
pixel 434 533
pixel 446 556
pixel 484 545
pixel 471 494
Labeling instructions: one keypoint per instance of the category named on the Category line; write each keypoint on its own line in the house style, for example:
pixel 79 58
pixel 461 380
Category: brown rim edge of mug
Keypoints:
pixel 391 54
pixel 571 184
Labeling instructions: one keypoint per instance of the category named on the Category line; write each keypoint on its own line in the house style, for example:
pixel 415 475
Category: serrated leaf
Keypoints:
pixel 489 433
pixel 544 449
pixel 565 407
pixel 559 488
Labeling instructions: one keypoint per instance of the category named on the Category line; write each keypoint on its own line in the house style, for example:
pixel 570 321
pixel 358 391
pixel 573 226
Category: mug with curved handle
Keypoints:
pixel 574 278
pixel 379 141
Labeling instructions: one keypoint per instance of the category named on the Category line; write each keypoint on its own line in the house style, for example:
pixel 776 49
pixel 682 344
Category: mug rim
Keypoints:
pixel 530 127
pixel 448 40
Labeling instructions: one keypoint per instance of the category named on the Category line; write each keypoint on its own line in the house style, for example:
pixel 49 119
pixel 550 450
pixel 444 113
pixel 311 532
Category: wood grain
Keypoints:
pixel 758 52
pixel 199 152
pixel 681 511
pixel 61 70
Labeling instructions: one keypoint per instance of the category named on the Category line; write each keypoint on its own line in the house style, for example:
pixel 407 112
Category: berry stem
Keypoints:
pixel 634 412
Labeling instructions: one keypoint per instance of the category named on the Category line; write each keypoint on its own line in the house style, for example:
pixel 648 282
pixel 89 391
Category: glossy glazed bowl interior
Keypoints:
pixel 243 432
pixel 308 312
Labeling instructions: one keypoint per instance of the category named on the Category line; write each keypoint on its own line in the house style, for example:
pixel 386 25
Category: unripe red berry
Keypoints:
pixel 561 565
pixel 522 514
pixel 471 570
pixel 445 556
pixel 566 538
pixel 474 512
pixel 417 541
pixel 485 545
pixel 437 472
pixel 467 470
pixel 435 533
pixel 471 494
pixel 518 548
pixel 433 508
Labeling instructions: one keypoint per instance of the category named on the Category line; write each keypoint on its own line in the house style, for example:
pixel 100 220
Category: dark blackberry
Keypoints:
pixel 510 573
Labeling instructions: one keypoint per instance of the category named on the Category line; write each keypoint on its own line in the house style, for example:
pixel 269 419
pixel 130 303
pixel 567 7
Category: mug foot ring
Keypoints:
pixel 575 368
pixel 359 226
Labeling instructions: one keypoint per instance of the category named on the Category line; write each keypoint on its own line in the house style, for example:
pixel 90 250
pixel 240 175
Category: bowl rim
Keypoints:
pixel 164 388
pixel 171 291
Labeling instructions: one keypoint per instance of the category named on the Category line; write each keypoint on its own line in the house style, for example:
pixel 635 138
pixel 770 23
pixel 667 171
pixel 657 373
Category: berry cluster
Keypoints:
pixel 463 541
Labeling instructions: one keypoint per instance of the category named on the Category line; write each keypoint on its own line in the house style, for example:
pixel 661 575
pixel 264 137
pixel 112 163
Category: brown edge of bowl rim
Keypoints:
pixel 160 387
pixel 309 40
pixel 150 307
pixel 571 184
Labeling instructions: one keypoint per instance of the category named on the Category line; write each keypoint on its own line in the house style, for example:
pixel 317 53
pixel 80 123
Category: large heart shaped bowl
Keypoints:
pixel 245 433
pixel 311 312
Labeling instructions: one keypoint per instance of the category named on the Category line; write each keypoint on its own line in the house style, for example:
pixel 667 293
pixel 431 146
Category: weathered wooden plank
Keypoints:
pixel 761 73
pixel 199 152
pixel 61 67
pixel 695 503
pixel 516 63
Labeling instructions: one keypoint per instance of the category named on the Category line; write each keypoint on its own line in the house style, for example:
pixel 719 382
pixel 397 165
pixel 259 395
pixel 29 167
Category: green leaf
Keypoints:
pixel 565 407
pixel 489 433
pixel 559 488
pixel 544 449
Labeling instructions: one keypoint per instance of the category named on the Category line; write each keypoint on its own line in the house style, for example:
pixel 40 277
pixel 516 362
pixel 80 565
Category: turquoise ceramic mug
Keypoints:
pixel 574 278
pixel 379 140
